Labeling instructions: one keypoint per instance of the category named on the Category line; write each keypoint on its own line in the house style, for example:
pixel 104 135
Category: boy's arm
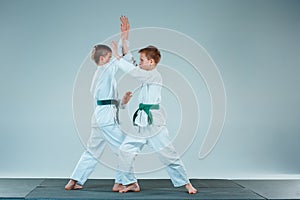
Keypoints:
pixel 127 96
pixel 124 26
pixel 123 45
pixel 127 67
pixel 120 62
pixel 126 54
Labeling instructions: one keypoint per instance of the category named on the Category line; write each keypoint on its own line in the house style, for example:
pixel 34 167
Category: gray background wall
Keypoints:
pixel 255 44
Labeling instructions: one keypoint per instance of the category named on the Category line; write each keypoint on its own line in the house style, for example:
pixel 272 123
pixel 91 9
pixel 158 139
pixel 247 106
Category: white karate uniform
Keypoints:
pixel 156 135
pixel 105 129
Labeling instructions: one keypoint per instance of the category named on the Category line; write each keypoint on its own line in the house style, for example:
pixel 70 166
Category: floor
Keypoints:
pixel 151 189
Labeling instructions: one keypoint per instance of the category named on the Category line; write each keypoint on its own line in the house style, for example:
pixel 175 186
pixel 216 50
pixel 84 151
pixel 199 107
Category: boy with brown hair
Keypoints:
pixel 150 121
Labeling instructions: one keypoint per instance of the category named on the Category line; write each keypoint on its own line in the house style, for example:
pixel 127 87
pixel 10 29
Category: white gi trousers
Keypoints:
pixel 100 136
pixel 158 139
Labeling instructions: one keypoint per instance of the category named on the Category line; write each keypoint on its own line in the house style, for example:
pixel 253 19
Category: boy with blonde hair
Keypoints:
pixel 105 129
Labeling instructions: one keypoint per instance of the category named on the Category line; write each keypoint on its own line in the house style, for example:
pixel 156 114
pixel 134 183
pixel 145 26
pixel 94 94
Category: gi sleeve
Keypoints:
pixel 132 70
pixel 128 56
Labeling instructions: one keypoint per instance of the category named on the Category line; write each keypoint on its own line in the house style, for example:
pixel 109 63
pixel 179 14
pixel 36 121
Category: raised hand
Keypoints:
pixel 124 26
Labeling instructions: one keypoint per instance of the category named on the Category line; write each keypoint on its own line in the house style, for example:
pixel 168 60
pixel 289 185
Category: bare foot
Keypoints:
pixel 134 187
pixel 117 187
pixel 190 188
pixel 72 185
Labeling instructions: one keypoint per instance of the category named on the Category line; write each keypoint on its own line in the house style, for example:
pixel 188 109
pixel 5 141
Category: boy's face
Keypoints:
pixel 105 59
pixel 145 63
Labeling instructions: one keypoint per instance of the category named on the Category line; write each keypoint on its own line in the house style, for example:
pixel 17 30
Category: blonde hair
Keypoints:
pixel 98 51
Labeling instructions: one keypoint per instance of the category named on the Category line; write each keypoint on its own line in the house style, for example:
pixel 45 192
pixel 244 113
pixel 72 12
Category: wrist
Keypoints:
pixel 118 57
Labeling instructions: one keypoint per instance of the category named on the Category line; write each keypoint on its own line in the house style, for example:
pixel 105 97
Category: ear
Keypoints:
pixel 100 61
pixel 152 62
pixel 101 58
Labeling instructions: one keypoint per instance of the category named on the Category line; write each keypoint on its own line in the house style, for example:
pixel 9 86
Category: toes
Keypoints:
pixel 70 185
pixel 77 187
pixel 123 191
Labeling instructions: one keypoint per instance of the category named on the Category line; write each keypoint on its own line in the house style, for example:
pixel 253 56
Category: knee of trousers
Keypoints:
pixel 128 148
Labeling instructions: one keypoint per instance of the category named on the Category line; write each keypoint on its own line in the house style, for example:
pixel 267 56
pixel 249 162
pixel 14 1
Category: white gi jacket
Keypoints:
pixel 104 86
pixel 150 92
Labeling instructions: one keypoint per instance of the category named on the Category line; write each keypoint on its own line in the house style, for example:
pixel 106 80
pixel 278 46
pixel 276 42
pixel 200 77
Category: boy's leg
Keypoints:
pixel 115 137
pixel 88 160
pixel 84 168
pixel 128 150
pixel 167 154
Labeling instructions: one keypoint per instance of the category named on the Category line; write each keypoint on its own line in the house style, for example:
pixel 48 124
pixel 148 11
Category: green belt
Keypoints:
pixel 146 108
pixel 110 102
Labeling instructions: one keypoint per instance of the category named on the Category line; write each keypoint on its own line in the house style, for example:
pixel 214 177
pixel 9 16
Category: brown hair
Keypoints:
pixel 151 52
pixel 99 50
